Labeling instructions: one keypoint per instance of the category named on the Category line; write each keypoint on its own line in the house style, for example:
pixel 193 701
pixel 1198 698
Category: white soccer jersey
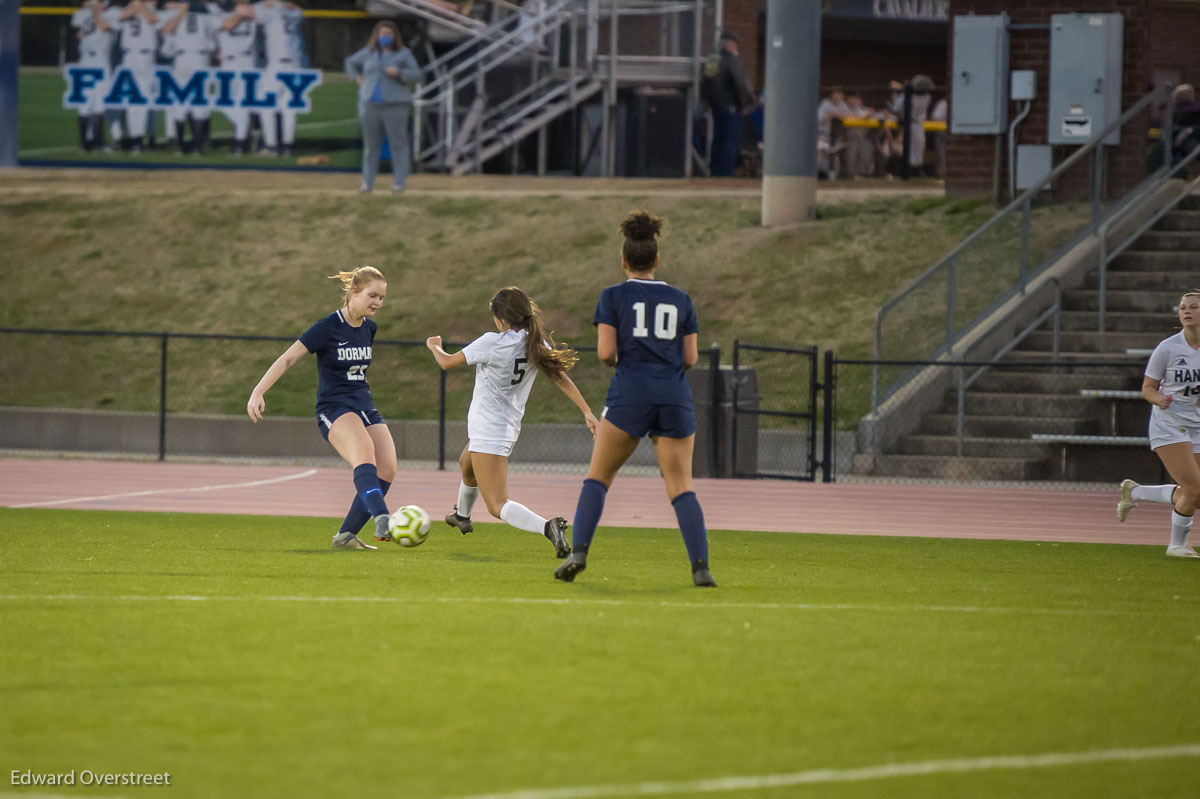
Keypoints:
pixel 237 43
pixel 281 33
pixel 503 379
pixel 195 38
pixel 1177 366
pixel 137 35
pixel 95 43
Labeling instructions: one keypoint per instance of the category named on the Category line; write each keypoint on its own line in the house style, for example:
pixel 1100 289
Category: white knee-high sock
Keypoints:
pixel 522 518
pixel 466 499
pixel 1153 494
pixel 1180 525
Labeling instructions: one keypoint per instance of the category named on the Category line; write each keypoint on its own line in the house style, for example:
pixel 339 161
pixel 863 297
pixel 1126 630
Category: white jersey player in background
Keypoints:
pixel 284 46
pixel 1172 386
pixel 138 31
pixel 236 44
pixel 505 365
pixel 94 25
pixel 189 35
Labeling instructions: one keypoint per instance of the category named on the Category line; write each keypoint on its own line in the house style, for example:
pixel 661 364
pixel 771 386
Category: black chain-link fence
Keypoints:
pixel 773 412
pixel 184 396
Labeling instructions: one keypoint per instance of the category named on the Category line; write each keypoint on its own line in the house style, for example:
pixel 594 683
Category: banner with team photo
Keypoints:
pixel 143 82
pixel 252 90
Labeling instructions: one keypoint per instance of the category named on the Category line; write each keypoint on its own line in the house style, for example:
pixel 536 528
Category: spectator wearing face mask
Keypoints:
pixel 384 70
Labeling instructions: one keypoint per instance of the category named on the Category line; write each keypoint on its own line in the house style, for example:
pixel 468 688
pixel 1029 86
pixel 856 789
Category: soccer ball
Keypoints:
pixel 409 526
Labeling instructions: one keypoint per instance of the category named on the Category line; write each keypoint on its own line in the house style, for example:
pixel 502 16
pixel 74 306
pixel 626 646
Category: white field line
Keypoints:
pixel 570 601
pixel 829 775
pixel 67 148
pixel 251 484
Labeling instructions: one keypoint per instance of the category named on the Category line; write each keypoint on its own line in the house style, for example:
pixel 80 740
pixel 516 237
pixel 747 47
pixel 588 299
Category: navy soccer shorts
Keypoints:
pixel 328 414
pixel 672 421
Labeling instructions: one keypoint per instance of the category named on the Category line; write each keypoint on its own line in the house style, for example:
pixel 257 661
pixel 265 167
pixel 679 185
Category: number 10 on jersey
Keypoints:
pixel 666 318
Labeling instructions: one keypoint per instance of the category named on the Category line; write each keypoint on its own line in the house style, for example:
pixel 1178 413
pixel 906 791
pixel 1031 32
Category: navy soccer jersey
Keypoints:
pixel 651 318
pixel 343 355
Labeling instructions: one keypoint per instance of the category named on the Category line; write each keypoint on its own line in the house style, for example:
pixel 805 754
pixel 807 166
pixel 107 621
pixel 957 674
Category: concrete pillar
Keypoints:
pixel 790 128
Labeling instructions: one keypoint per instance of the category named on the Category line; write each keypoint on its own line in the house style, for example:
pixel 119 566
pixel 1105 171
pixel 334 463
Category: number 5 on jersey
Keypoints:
pixel 666 318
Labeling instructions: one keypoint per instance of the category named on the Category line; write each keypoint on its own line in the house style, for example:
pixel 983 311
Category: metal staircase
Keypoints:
pixel 1036 386
pixel 511 78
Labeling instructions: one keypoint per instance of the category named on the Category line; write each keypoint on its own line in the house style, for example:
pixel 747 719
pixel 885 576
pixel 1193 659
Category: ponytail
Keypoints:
pixel 513 307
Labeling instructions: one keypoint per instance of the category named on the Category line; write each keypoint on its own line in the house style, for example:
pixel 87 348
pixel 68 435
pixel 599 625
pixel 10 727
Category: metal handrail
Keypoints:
pixel 552 16
pixel 1053 312
pixel 947 263
pixel 1108 256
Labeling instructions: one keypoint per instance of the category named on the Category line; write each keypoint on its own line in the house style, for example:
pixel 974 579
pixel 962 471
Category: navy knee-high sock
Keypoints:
pixel 587 514
pixel 691 524
pixel 358 516
pixel 366 482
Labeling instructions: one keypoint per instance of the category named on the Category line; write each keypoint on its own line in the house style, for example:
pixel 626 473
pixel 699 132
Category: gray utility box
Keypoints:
pixel 979 83
pixel 1085 76
pixel 714 454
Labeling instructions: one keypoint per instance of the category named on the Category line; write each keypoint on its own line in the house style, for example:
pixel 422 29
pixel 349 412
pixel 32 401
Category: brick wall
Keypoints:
pixel 741 17
pixel 1175 39
pixel 1153 33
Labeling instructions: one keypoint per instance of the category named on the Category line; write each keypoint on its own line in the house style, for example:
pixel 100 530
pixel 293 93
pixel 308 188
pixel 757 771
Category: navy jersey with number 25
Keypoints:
pixel 343 355
pixel 651 318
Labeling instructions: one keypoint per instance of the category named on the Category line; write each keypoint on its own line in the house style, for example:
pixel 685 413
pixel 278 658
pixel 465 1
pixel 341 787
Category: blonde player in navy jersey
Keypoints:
pixel 506 364
pixel 1172 386
pixel 647 329
pixel 346 413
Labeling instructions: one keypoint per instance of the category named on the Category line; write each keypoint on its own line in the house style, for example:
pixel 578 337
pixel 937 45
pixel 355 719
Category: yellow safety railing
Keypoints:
pixel 891 124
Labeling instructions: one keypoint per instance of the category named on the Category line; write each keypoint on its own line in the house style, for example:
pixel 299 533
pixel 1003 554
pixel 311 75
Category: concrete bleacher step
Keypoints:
pixel 974 447
pixel 944 424
pixel 1189 203
pixel 1143 300
pixel 1114 357
pixel 1058 381
pixel 1170 240
pixel 1147 280
pixel 979 403
pixel 1179 220
pixel 1145 260
pixel 940 467
pixel 1074 342
pixel 1121 321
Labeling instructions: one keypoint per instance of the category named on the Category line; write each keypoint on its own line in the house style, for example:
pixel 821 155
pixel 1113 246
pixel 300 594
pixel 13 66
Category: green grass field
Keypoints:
pixel 49 132
pixel 244 657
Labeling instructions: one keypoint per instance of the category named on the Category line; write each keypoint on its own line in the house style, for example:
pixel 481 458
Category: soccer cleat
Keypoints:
pixel 382 533
pixel 573 565
pixel 463 523
pixel 701 576
pixel 556 531
pixel 1127 502
pixel 1181 551
pixel 348 540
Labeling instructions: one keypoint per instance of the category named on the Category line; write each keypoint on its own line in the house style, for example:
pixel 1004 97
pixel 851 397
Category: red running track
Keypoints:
pixel 943 511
